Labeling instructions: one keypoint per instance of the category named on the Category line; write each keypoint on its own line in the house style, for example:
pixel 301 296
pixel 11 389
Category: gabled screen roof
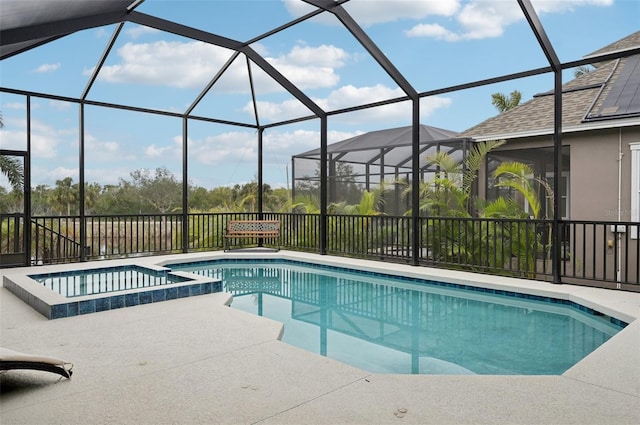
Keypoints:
pixel 28 24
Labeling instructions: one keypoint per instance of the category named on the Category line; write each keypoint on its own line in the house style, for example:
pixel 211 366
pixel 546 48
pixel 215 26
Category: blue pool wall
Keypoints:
pixel 55 306
pixel 415 280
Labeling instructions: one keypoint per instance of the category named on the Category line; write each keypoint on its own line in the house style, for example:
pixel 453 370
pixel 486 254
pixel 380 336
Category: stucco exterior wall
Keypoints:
pixel 600 191
pixel 594 174
pixel 595 186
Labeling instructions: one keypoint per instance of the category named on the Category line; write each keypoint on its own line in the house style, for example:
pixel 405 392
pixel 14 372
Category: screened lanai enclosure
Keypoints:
pixel 142 127
pixel 374 159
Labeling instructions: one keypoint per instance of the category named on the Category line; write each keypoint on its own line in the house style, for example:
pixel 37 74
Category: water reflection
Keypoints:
pixel 385 326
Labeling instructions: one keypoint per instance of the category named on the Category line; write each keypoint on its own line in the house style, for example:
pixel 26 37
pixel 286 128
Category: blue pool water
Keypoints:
pixel 387 324
pixel 105 280
pixel 109 288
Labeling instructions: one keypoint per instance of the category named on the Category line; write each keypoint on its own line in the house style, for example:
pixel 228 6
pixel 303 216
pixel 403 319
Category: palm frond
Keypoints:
pixel 12 169
pixel 475 159
pixel 517 175
pixel 445 163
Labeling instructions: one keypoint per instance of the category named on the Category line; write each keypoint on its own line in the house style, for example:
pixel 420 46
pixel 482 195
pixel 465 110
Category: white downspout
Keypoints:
pixel 618 234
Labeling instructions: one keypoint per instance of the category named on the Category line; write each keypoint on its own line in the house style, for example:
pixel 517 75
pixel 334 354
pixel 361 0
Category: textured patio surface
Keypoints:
pixel 197 361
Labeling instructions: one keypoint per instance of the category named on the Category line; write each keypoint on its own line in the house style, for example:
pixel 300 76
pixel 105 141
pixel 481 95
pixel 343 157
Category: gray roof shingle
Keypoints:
pixel 594 95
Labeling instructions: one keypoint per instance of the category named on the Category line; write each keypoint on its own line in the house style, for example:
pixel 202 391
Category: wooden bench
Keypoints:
pixel 251 229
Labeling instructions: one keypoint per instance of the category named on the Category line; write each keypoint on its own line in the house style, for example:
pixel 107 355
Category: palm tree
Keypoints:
pixel 370 203
pixel 581 70
pixel 306 204
pixel 64 195
pixel 504 103
pixel 449 192
pixel 519 176
pixel 12 168
pixel 13 171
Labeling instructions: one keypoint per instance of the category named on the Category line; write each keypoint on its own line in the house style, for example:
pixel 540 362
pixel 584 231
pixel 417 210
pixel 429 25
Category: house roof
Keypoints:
pixel 394 144
pixel 606 95
pixel 28 24
pixel 630 41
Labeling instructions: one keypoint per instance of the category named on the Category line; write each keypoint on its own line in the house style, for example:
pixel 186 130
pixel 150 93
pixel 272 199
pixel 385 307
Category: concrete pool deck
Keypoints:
pixel 194 360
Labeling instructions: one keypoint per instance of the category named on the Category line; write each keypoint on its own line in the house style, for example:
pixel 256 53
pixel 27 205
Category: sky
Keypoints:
pixel 434 44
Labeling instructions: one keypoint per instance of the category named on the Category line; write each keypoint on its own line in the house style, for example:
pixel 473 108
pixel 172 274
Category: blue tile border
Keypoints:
pixel 159 278
pixel 117 301
pixel 491 291
pixel 103 304
pixel 154 295
pixel 183 291
pixel 170 292
pixel 73 309
pixel 131 299
pixel 146 297
pixel 58 311
pixel 87 306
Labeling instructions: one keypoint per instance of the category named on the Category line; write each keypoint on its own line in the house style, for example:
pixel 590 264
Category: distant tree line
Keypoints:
pixel 145 192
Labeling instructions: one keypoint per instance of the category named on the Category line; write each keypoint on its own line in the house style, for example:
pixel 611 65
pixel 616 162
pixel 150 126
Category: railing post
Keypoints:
pixel 415 182
pixel 27 191
pixel 185 187
pixel 323 185
pixel 556 261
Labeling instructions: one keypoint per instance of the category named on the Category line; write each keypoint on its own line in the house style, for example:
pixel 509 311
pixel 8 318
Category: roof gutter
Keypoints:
pixel 589 126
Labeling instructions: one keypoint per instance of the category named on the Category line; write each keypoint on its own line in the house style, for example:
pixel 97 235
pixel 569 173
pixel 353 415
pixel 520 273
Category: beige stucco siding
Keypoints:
pixel 594 174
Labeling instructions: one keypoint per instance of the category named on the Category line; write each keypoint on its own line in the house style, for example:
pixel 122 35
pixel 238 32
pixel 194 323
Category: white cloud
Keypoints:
pixel 371 12
pixel 14 105
pixel 140 30
pixel 154 151
pixel 234 147
pixel 479 19
pixel 60 105
pixel 284 143
pixel 44 138
pixel 430 30
pixel 348 96
pixel 47 68
pixel 231 147
pixel 559 6
pixel 106 176
pixel 476 19
pixel 174 150
pixel 298 141
pixel 306 77
pixel 194 64
pixel 272 111
pixel 60 173
pixel 429 105
pixel 395 113
pixel 101 33
pixel 322 56
pixel 176 64
pixel 104 151
pixel 12 139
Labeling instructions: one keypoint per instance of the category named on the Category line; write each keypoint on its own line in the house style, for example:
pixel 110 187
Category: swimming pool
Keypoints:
pixel 63 293
pixel 389 324
pixel 104 280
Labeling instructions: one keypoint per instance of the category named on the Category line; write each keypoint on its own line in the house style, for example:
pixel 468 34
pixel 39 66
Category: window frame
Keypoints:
pixel 635 188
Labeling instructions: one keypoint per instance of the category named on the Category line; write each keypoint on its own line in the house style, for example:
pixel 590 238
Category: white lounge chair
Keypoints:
pixel 10 360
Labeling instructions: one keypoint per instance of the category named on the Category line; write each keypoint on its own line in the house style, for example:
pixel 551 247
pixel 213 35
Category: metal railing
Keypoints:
pixel 596 253
pixel 56 239
pixel 12 250
pixel 133 235
pixel 602 251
